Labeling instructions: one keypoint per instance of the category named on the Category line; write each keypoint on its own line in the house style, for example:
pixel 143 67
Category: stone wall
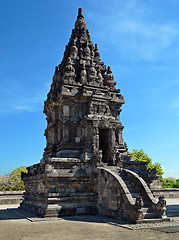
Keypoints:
pixel 166 192
pixel 15 197
pixel 11 197
pixel 114 198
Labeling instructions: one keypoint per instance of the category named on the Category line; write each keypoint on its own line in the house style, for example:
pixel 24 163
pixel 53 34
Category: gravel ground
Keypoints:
pixel 18 227
pixel 22 229
pixel 174 221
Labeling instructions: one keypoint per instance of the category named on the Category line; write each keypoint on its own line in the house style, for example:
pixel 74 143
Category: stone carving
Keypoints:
pixel 100 78
pixel 118 159
pixel 73 50
pixel 66 112
pixel 80 22
pixel 161 201
pixel 161 206
pixel 125 146
pixel 139 202
pixel 69 70
pixel 98 156
pixel 87 51
pixel 139 205
pixel 74 169
pixel 97 54
pixel 83 75
pixel 109 79
pixel 40 187
pixel 92 73
pixel 49 169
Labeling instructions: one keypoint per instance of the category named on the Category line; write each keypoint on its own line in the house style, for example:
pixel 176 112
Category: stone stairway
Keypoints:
pixel 147 209
pixel 148 212
pixel 129 197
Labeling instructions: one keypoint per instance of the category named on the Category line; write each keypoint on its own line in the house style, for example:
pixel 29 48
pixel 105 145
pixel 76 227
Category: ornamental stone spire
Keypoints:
pixel 84 58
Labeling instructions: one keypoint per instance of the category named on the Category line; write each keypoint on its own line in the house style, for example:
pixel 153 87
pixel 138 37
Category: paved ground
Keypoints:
pixel 173 207
pixel 16 227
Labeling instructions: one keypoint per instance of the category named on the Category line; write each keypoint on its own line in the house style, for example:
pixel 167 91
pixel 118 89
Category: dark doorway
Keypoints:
pixel 104 144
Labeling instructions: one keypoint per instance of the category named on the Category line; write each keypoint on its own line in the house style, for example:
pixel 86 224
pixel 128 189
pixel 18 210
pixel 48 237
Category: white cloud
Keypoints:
pixel 129 26
pixel 20 105
pixel 142 39
pixel 15 99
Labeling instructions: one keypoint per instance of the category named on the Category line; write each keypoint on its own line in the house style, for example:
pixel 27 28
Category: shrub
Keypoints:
pixel 13 182
pixel 140 155
pixel 170 182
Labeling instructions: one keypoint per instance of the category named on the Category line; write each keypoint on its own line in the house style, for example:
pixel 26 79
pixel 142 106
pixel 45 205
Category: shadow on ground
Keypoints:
pixel 87 218
pixel 172 210
pixel 16 213
pixel 6 214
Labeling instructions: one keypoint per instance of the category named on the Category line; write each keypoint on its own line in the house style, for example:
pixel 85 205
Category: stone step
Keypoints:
pixel 149 215
pixel 147 209
pixel 112 168
pixel 153 220
pixel 146 205
pixel 130 187
pixel 129 184
pixel 126 178
pixel 134 194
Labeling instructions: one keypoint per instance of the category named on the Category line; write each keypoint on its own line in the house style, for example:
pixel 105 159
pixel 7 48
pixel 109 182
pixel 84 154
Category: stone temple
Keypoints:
pixel 86 167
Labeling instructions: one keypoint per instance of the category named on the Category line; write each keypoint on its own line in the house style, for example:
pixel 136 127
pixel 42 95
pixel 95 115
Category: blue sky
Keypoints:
pixel 138 39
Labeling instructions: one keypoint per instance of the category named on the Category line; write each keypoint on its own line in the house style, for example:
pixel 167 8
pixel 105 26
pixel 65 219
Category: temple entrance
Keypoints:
pixel 104 144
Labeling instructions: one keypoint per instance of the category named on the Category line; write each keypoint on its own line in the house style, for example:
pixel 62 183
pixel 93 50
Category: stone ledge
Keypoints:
pixel 3 193
pixel 166 192
pixel 11 197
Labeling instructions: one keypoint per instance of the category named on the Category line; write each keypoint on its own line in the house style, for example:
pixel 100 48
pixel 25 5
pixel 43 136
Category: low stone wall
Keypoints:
pixel 15 197
pixel 11 197
pixel 166 192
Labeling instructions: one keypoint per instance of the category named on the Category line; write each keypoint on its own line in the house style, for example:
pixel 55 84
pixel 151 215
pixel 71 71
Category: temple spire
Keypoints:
pixel 80 13
pixel 80 22
pixel 81 63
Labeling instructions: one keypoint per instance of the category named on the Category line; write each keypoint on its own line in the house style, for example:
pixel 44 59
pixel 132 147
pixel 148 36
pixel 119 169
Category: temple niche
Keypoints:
pixel 86 167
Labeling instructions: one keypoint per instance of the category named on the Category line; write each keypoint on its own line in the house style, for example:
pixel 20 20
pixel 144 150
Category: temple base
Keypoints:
pixel 69 186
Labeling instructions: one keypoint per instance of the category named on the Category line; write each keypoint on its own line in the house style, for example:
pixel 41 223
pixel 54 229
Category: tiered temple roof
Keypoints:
pixel 81 63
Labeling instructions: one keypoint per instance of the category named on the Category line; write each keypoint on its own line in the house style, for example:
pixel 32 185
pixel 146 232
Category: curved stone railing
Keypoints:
pixel 158 206
pixel 115 198
pixel 141 184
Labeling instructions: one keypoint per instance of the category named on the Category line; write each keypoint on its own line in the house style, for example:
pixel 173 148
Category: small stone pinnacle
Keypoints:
pixel 80 12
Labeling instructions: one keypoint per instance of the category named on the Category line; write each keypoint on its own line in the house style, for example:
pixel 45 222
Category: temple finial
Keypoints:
pixel 80 12
pixel 80 22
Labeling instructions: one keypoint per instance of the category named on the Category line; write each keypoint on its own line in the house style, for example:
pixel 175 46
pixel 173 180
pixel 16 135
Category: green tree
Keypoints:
pixel 167 183
pixel 176 184
pixel 13 182
pixel 140 155
pixel 171 182
pixel 15 176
